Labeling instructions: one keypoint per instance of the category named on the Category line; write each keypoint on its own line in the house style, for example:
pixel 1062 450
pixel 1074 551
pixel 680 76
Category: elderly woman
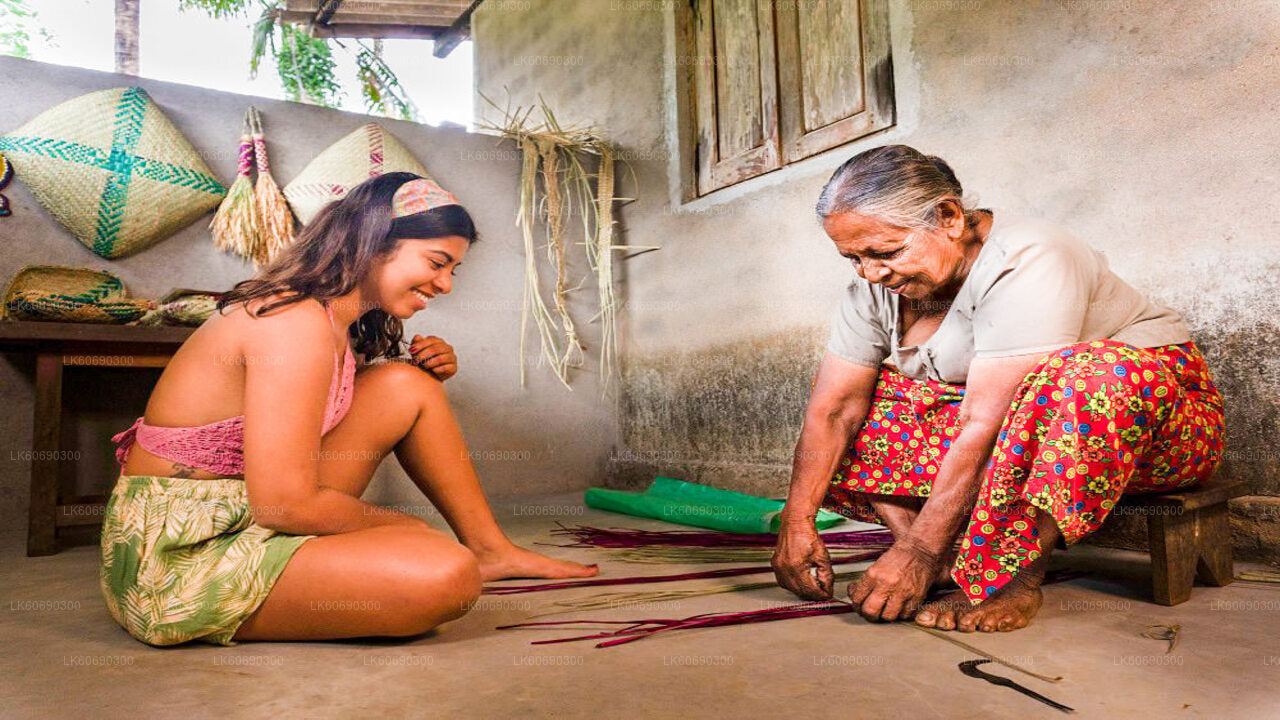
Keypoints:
pixel 990 389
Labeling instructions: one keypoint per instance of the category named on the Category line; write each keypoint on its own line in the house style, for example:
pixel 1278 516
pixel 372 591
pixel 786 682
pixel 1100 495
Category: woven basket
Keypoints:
pixel 367 152
pixel 70 294
pixel 183 307
pixel 113 170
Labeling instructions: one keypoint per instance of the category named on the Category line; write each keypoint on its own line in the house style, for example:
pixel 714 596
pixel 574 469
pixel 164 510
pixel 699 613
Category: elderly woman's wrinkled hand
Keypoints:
pixel 895 585
pixel 801 562
pixel 435 356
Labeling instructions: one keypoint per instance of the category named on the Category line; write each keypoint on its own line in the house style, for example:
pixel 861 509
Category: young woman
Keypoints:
pixel 238 514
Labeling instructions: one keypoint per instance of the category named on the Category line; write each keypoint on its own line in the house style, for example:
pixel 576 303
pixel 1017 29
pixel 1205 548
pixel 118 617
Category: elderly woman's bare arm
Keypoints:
pixel 839 403
pixel 896 585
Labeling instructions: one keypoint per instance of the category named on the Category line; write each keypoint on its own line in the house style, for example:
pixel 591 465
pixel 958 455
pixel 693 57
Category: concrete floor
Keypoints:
pixel 63 656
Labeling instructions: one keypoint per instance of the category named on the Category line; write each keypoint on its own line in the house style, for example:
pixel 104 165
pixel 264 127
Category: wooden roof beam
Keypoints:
pixel 375 31
pixel 460 30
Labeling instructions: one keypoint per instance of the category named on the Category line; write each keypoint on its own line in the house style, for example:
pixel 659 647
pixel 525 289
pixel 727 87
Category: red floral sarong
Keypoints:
pixel 1090 422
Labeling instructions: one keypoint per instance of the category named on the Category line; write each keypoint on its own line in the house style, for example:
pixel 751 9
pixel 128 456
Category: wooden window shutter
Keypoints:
pixel 836 71
pixel 735 91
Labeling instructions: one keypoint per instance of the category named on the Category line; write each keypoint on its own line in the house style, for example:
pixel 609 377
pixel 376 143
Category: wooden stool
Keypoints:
pixel 1190 536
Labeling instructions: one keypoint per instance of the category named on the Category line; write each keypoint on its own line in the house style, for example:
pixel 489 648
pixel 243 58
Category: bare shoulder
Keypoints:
pixel 262 322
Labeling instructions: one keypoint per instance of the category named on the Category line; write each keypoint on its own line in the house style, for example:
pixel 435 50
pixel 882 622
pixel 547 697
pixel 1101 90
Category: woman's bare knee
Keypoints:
pixel 440 587
pixel 402 377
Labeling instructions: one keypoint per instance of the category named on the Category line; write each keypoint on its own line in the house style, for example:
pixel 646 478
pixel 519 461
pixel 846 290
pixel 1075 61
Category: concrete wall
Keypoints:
pixel 541 438
pixel 1147 129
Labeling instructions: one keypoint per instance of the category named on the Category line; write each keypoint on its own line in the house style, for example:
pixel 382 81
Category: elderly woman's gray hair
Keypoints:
pixel 895 183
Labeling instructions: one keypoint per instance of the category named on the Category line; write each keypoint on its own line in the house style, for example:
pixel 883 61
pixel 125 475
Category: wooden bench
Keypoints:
pixel 57 345
pixel 1190 536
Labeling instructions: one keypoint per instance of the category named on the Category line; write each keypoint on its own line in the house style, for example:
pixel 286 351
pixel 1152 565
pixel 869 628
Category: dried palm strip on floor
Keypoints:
pixel 664 555
pixel 1252 575
pixel 944 635
pixel 614 600
pixel 639 580
pixel 1167 633
pixel 587 536
pixel 660 555
pixel 640 629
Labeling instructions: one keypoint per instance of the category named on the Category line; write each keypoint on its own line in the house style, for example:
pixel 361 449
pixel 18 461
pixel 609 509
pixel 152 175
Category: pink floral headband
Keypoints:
pixel 418 196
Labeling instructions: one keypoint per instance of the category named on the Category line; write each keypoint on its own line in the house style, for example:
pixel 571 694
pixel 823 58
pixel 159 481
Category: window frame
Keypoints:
pixel 702 176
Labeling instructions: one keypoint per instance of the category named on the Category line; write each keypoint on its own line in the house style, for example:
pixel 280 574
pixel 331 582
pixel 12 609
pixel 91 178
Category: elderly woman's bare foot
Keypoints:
pixel 516 562
pixel 1010 608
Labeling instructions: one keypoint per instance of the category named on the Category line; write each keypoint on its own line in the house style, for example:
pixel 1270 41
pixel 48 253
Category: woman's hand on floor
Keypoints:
pixel 895 585
pixel 514 561
pixel 799 553
pixel 434 355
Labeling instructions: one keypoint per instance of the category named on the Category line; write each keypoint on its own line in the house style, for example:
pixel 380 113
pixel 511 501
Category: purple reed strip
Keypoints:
pixel 637 630
pixel 641 579
pixel 585 536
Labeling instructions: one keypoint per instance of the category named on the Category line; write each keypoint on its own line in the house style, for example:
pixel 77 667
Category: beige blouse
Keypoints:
pixel 1034 288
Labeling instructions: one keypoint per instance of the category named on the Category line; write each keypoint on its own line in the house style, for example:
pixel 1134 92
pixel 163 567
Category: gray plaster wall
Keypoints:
pixel 537 439
pixel 1148 128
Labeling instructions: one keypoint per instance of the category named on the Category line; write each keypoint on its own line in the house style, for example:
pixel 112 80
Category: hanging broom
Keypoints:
pixel 235 225
pixel 275 220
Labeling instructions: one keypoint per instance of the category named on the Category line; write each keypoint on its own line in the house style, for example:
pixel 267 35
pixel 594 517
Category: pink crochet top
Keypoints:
pixel 219 446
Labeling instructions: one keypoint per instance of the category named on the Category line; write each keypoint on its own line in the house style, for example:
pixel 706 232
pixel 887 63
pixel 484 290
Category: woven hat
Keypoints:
pixel 367 152
pixel 71 294
pixel 113 170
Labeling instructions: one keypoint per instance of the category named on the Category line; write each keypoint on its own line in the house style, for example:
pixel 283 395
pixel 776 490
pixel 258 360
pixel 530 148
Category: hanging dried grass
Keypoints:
pixel 549 155
pixel 275 219
pixel 235 225
pixel 567 188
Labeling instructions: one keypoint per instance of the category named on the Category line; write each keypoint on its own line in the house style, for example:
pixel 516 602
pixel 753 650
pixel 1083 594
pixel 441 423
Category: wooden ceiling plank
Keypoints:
pixel 373 31
pixel 412 21
pixel 453 6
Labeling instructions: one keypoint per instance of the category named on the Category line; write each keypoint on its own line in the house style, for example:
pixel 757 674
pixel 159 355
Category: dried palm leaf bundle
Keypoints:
pixel 275 219
pixel 235 225
pixel 630 538
pixel 553 160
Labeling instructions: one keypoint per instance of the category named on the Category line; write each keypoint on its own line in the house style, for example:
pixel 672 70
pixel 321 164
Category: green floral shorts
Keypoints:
pixel 183 560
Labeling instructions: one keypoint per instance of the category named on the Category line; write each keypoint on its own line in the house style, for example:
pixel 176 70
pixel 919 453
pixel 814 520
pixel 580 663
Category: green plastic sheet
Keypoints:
pixel 683 503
